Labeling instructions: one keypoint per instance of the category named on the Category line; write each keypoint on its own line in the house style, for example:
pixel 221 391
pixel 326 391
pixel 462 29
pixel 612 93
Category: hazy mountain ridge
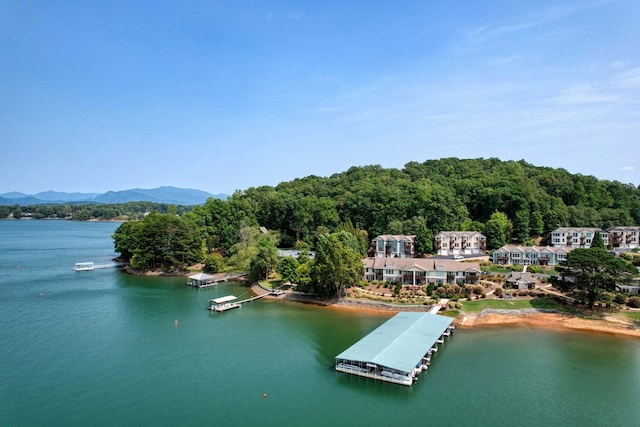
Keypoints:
pixel 167 194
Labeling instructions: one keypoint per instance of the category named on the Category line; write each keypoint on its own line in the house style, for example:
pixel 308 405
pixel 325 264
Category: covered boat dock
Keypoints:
pixel 223 303
pixel 398 350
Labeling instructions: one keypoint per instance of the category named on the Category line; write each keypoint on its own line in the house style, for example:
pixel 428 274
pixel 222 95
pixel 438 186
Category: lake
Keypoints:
pixel 102 348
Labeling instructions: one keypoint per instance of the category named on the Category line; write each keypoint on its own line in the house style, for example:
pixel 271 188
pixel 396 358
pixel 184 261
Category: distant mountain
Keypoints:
pixel 54 196
pixel 169 195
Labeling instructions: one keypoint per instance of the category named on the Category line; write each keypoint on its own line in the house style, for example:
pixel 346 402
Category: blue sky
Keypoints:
pixel 219 96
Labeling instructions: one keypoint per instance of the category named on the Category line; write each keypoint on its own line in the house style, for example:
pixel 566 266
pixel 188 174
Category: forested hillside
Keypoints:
pixel 446 194
pixel 507 201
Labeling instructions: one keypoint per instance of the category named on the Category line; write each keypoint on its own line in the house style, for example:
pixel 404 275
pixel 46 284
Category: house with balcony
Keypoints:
pixel 420 271
pixel 576 237
pixel 530 255
pixel 392 246
pixel 624 237
pixel 460 243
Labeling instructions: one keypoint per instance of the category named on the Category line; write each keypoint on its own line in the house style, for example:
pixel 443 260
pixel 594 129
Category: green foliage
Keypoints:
pixel 597 242
pixel 286 268
pixel 336 266
pixel 498 230
pixel 213 263
pixel 265 259
pixel 595 270
pixel 159 241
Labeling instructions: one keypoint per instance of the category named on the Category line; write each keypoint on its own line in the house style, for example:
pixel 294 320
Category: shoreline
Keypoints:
pixel 610 325
pixel 493 318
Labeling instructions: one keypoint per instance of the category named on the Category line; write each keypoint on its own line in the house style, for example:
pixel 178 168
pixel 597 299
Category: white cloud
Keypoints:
pixel 628 168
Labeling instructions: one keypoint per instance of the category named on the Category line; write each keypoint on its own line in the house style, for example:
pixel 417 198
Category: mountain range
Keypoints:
pixel 169 195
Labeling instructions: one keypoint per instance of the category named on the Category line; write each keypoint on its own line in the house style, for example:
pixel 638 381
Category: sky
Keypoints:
pixel 226 95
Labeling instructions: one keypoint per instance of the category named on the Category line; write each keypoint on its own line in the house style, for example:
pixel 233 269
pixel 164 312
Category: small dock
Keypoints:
pixel 224 303
pixel 203 280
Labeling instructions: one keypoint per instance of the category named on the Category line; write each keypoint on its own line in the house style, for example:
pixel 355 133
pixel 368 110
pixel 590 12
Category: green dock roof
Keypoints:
pixel 400 342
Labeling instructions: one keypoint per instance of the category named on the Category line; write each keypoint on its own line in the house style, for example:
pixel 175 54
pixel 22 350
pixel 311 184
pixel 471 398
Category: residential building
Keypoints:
pixel 460 243
pixel 420 271
pixel 392 246
pixel 624 237
pixel 632 288
pixel 530 255
pixel 576 237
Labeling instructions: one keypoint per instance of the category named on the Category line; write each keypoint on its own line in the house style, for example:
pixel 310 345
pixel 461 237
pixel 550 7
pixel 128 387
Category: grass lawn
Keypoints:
pixel 633 315
pixel 479 305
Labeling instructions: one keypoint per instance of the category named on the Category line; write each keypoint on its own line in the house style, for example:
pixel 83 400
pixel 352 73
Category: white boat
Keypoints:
pixel 84 266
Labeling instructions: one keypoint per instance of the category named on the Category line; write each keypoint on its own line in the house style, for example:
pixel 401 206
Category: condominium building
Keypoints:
pixel 530 255
pixel 576 237
pixel 420 271
pixel 460 243
pixel 392 246
pixel 624 236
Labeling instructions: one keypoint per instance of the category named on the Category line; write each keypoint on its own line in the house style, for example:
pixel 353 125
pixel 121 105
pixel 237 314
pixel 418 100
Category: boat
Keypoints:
pixel 84 266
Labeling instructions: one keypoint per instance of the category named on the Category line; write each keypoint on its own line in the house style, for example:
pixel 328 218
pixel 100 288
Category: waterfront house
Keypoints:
pixel 530 255
pixel 392 246
pixel 460 243
pixel 420 271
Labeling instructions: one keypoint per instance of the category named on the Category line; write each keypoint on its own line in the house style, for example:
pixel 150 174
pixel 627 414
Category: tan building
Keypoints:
pixel 460 243
pixel 420 271
pixel 624 236
pixel 392 246
pixel 576 237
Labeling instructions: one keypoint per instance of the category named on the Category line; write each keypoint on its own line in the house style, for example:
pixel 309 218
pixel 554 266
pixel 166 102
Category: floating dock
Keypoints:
pixel 398 350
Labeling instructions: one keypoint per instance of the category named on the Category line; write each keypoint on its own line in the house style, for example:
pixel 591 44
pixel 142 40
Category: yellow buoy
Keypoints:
pixel 264 395
pixel 175 322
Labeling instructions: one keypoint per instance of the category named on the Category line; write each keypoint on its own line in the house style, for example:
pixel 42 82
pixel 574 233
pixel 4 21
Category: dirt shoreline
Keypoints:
pixel 489 318
pixel 610 325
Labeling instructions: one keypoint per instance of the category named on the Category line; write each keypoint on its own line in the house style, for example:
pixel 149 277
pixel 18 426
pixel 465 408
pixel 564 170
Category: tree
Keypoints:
pixel 264 260
pixel 594 271
pixel 336 266
pixel 498 230
pixel 597 241
pixel 286 268
pixel 213 263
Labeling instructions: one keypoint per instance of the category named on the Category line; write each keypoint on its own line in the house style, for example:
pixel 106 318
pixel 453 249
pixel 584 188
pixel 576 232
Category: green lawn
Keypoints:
pixel 479 305
pixel 633 315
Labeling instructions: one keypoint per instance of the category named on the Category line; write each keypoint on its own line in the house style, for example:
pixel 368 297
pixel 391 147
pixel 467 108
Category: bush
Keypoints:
pixel 633 302
pixel 499 292
pixel 213 263
pixel 620 298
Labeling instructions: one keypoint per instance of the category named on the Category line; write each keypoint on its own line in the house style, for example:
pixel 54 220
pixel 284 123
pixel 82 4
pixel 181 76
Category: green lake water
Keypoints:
pixel 102 348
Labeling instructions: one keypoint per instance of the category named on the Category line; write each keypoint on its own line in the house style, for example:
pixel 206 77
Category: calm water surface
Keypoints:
pixel 102 348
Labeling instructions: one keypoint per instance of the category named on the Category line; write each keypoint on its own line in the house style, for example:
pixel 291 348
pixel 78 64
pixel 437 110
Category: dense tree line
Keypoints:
pixel 85 212
pixel 507 201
